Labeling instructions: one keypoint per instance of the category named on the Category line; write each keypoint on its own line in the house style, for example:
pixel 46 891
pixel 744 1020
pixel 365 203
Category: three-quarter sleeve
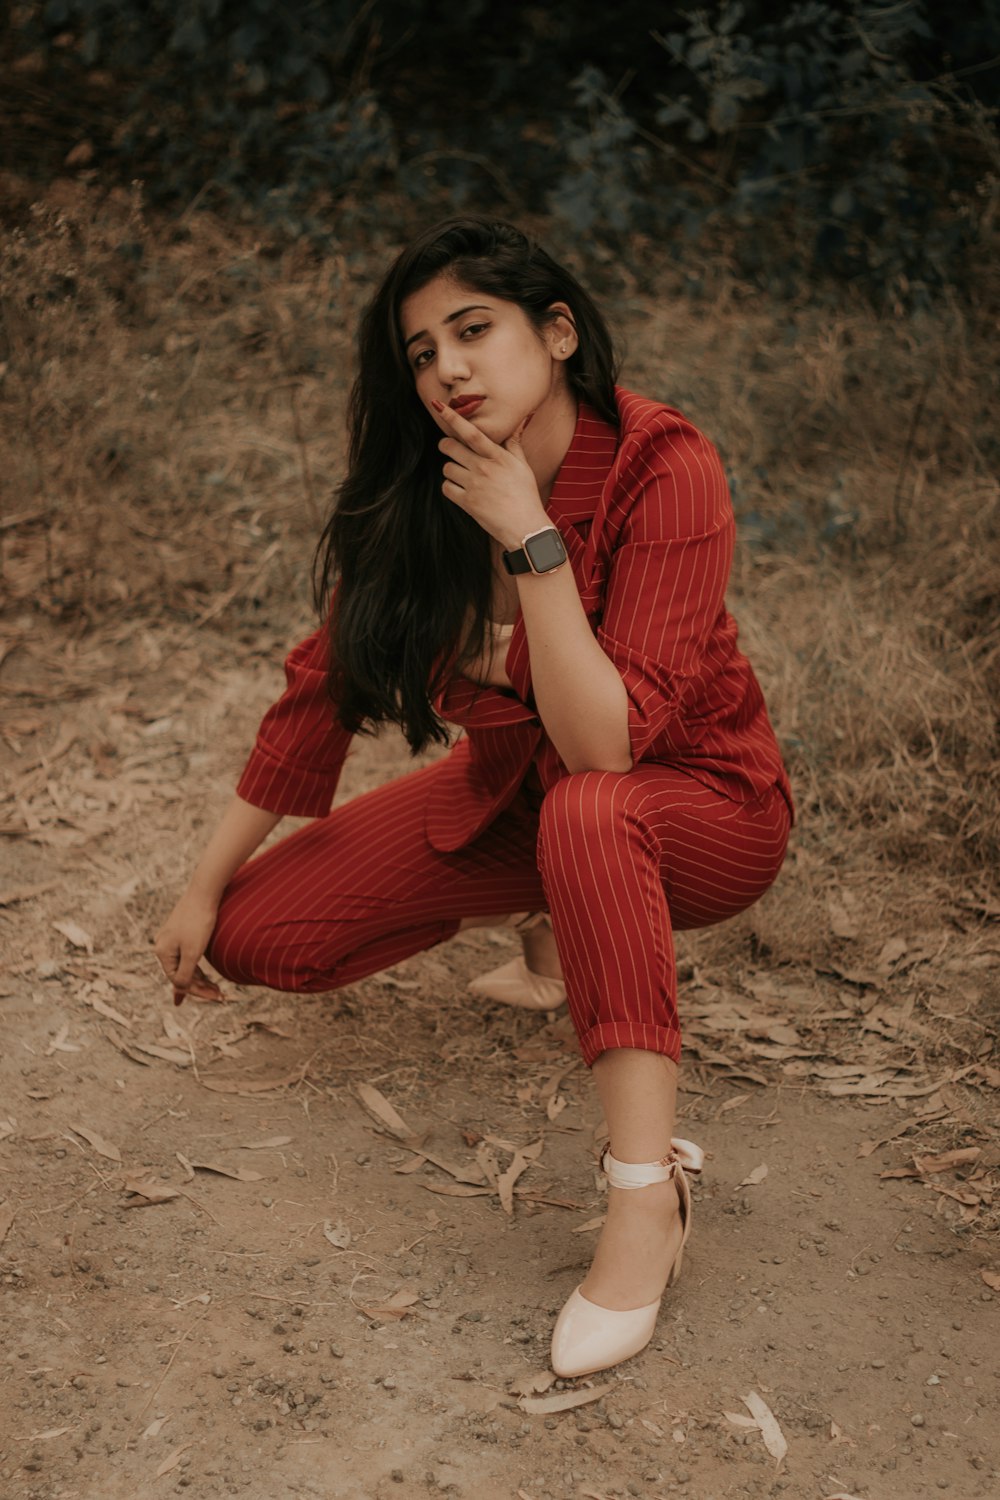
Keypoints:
pixel 664 622
pixel 300 748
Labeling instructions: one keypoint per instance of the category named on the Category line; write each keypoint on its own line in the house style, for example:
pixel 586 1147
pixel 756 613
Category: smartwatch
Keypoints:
pixel 541 552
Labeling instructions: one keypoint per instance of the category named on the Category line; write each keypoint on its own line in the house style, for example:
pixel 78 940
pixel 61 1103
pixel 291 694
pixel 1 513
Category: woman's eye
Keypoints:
pixel 419 360
pixel 475 328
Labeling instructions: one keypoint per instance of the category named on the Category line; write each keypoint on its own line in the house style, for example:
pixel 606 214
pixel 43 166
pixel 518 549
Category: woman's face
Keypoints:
pixel 483 356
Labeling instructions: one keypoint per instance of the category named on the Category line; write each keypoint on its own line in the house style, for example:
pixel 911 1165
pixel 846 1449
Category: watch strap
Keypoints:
pixel 516 561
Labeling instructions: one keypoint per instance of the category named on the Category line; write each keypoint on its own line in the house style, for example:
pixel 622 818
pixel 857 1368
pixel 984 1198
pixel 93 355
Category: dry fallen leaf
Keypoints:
pixel 523 1159
pixel 123 979
pixel 774 1438
pixel 42 1437
pixel 968 1199
pixel 398 1306
pixel 378 1105
pixel 126 1050
pixel 168 1054
pixel 461 1174
pixel 738 1419
pixel 147 1189
pixel 271 1144
pixel 255 1086
pixel 103 1008
pixel 754 1179
pixel 173 1459
pixel 947 1159
pixel 992 1278
pixel 842 924
pixel 533 1385
pixel 486 1157
pixel 540 1406
pixel 7 1215
pixel 59 1042
pixel 241 1174
pixel 550 1088
pixel 891 953
pixel 590 1224
pixel 155 1428
pixel 173 1030
pixel 105 1148
pixel 457 1189
pixel 927 1165
pixel 338 1234
pixel 75 934
pixel 532 1197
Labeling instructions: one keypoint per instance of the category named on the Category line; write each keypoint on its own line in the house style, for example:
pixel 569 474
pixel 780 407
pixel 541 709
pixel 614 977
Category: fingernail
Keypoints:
pixel 438 405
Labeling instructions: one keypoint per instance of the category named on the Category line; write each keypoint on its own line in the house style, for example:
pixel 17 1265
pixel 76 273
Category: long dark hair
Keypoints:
pixel 405 569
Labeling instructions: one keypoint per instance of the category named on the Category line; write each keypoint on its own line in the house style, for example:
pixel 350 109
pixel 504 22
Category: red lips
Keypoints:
pixel 466 404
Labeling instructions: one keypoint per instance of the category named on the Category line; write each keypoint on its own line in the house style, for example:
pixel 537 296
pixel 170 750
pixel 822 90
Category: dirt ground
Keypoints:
pixel 229 1268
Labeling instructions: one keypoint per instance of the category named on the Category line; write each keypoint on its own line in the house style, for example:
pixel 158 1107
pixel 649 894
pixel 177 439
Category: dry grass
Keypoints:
pixel 172 409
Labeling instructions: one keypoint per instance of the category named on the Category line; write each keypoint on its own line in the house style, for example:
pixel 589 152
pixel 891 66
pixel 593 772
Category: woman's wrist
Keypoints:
pixel 205 890
pixel 512 536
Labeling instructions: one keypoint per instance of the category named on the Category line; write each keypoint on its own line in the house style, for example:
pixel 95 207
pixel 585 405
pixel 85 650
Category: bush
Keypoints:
pixel 814 126
pixel 853 140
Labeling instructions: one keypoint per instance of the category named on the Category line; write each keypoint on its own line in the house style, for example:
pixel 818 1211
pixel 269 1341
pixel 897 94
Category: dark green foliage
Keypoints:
pixel 857 139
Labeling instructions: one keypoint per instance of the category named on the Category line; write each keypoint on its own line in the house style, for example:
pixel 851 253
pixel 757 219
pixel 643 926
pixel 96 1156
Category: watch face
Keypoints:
pixel 545 550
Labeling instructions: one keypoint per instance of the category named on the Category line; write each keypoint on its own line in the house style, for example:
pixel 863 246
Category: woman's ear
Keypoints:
pixel 561 333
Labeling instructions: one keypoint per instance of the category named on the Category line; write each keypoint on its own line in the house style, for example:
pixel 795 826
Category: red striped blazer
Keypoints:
pixel 648 524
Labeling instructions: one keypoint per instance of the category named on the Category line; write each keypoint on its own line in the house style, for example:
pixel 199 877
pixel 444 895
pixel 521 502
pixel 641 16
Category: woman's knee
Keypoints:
pixel 582 813
pixel 585 803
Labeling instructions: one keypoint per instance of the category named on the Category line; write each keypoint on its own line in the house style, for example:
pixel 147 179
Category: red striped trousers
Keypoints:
pixel 620 860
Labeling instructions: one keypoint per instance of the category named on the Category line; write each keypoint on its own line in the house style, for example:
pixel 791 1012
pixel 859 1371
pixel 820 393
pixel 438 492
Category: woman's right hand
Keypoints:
pixel 182 941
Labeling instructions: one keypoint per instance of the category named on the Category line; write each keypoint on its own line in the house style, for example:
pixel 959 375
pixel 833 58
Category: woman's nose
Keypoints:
pixel 452 365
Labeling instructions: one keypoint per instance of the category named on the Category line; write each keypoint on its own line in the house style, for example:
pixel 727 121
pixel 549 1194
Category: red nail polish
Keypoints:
pixel 438 405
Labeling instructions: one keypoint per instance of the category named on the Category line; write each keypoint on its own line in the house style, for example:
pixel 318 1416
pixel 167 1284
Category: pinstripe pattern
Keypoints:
pixel 648 526
pixel 693 834
pixel 621 861
pixel 627 860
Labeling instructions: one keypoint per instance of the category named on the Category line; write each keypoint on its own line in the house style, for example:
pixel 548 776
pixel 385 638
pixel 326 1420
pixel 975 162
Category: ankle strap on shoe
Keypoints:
pixel 628 1174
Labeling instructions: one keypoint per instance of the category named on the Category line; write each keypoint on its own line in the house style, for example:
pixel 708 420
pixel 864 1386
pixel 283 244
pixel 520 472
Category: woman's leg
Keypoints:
pixel 642 1232
pixel 626 859
pixel 362 889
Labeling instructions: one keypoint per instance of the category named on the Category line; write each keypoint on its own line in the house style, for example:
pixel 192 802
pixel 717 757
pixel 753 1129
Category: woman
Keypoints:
pixel 523 549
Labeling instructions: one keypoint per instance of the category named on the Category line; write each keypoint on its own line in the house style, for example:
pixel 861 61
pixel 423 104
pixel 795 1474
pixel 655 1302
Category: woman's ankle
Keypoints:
pixel 540 952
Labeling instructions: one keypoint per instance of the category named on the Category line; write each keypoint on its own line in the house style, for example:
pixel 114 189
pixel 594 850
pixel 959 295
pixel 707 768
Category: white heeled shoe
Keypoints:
pixel 587 1337
pixel 514 983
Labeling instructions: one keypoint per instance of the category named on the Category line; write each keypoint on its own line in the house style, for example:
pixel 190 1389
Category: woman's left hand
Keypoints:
pixel 493 484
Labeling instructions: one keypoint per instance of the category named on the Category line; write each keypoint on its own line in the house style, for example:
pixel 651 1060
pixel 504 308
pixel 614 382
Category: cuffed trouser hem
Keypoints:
pixel 646 1038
